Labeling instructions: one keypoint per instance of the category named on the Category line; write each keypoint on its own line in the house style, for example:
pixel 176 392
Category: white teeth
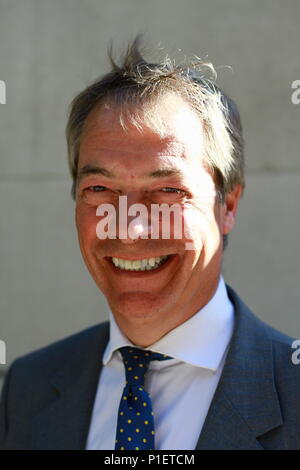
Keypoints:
pixel 139 265
pixel 127 264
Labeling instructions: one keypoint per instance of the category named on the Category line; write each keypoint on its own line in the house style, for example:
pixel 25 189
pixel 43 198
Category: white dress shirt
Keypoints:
pixel 181 389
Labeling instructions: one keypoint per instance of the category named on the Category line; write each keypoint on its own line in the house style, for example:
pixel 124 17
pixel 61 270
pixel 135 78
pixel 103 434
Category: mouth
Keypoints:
pixel 143 265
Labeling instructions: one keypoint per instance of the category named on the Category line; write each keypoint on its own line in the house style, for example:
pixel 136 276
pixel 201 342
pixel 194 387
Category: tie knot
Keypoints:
pixel 136 363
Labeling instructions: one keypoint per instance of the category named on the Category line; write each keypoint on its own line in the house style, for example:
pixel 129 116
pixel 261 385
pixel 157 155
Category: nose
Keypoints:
pixel 133 220
pixel 137 227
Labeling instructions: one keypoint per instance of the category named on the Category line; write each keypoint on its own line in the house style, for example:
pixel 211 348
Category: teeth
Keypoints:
pixel 139 265
pixel 136 264
pixel 128 264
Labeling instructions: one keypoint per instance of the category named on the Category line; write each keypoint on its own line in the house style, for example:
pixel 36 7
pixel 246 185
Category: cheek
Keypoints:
pixel 200 228
pixel 86 222
pixel 193 229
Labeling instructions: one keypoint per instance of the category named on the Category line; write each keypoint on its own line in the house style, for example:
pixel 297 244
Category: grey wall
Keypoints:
pixel 50 50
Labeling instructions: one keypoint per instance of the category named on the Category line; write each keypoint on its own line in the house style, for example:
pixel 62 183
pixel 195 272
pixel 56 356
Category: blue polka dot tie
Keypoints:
pixel 135 428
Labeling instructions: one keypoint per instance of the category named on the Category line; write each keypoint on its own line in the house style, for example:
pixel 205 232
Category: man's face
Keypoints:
pixel 151 167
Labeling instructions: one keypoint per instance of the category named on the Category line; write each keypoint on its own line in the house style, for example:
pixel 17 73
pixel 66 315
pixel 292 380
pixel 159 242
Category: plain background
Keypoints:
pixel 49 51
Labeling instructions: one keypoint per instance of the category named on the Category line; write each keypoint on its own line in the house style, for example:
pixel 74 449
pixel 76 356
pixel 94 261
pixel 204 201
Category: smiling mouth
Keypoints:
pixel 140 265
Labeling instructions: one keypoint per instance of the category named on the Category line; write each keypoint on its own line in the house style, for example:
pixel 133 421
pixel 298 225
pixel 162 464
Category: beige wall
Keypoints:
pixel 49 50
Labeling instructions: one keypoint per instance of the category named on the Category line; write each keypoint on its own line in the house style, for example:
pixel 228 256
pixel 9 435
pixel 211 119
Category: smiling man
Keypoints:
pixel 182 362
pixel 165 166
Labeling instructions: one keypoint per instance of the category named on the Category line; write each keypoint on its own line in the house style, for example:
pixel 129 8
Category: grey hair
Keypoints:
pixel 135 85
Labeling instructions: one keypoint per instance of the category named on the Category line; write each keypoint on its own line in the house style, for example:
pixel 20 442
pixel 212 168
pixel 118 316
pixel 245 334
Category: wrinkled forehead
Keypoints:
pixel 164 135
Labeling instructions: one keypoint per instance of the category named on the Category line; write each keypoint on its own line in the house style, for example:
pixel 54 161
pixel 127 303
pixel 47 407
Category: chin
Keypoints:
pixel 137 305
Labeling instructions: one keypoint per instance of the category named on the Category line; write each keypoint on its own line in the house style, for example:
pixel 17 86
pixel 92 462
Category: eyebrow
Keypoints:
pixel 87 170
pixel 95 170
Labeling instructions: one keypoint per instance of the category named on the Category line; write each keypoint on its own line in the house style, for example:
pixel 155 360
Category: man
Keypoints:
pixel 182 363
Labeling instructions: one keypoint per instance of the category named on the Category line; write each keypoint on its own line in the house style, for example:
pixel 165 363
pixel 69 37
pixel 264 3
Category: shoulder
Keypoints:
pixel 284 348
pixel 286 354
pixel 30 384
pixel 76 347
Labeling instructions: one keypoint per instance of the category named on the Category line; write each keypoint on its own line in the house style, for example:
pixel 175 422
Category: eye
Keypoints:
pixel 172 190
pixel 96 189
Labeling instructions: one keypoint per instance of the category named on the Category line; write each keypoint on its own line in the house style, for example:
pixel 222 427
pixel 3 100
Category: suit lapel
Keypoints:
pixel 225 429
pixel 64 423
pixel 245 404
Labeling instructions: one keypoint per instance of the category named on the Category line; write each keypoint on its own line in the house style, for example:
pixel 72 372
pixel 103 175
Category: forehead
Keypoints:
pixel 166 125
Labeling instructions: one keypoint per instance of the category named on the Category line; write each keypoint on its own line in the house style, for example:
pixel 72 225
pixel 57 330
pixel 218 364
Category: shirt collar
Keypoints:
pixel 200 341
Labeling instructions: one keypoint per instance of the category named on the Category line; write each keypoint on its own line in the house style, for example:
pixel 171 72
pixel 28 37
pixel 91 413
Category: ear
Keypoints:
pixel 230 207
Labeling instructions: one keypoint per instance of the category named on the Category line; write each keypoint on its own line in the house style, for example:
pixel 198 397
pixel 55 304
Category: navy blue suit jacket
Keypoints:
pixel 48 395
